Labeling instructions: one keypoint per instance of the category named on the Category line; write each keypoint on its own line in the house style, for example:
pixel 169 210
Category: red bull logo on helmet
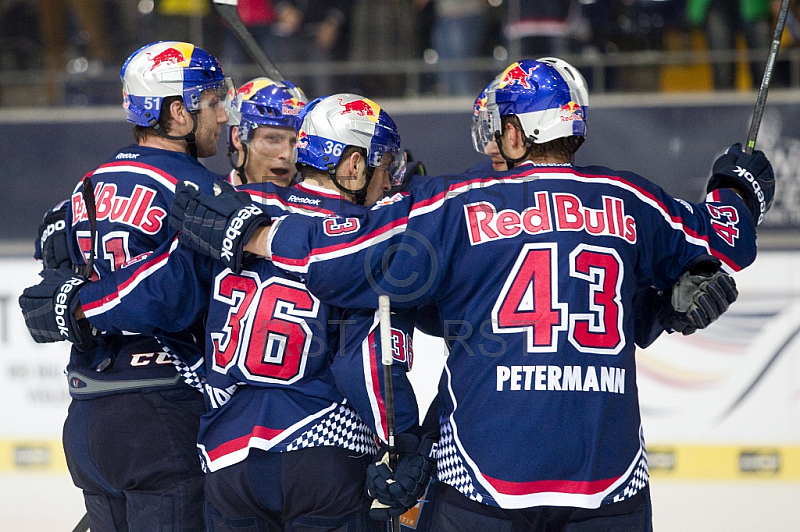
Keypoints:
pixel 571 111
pixel 480 105
pixel 515 74
pixel 302 139
pixel 292 106
pixel 249 89
pixel 175 54
pixel 362 107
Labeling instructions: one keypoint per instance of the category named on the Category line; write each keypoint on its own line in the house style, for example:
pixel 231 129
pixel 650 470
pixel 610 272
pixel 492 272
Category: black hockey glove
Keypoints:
pixel 750 175
pixel 49 309
pixel 53 240
pixel 396 492
pixel 702 294
pixel 218 226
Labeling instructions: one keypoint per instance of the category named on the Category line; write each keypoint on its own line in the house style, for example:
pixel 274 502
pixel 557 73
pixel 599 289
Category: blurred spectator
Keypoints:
pixel 258 16
pixel 721 20
pixel 457 34
pixel 53 20
pixel 384 30
pixel 539 28
pixel 295 31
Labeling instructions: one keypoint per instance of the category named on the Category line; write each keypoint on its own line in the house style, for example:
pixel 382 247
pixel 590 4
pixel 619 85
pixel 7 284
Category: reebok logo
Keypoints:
pixel 762 203
pixel 233 231
pixel 60 225
pixel 60 306
pixel 309 201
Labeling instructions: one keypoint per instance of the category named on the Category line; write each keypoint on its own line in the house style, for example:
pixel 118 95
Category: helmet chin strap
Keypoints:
pixel 189 137
pixel 360 194
pixel 512 162
pixel 239 168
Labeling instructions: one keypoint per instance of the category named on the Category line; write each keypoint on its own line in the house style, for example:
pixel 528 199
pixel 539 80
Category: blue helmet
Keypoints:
pixel 263 102
pixel 169 68
pixel 548 95
pixel 327 125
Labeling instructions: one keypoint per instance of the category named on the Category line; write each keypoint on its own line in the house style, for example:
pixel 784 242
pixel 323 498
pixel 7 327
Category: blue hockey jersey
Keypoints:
pixel 133 191
pixel 283 370
pixel 534 272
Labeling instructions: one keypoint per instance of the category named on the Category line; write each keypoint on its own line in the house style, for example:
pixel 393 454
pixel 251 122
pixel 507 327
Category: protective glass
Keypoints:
pixel 225 97
pixel 483 128
pixel 394 162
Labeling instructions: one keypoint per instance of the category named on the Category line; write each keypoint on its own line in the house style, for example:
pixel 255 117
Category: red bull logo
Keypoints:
pixel 245 90
pixel 292 106
pixel 170 56
pixel 363 107
pixel 302 139
pixel 516 74
pixel 480 105
pixel 571 111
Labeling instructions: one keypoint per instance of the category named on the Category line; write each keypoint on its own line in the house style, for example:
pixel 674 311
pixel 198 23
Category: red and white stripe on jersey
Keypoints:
pixel 156 174
pixel 93 308
pixel 435 202
pixel 263 438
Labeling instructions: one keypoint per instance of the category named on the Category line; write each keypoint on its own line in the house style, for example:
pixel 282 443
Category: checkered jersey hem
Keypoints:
pixel 634 484
pixel 339 428
pixel 450 465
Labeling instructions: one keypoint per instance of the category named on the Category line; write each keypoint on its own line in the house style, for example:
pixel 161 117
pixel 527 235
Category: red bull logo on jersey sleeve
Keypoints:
pixel 362 107
pixel 176 54
pixel 515 74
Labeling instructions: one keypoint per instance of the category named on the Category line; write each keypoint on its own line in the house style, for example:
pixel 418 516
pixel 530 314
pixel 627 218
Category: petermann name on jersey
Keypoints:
pixel 560 379
pixel 137 210
pixel 550 212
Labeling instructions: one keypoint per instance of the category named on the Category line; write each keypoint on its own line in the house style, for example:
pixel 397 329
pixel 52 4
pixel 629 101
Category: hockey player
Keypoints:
pixel 282 448
pixel 538 267
pixel 130 434
pixel 261 135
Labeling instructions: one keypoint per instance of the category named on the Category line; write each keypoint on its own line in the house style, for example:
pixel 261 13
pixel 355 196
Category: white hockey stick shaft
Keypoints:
pixel 385 316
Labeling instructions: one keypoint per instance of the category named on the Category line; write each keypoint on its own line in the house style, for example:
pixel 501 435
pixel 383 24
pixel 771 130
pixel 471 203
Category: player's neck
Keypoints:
pixel 162 143
pixel 328 185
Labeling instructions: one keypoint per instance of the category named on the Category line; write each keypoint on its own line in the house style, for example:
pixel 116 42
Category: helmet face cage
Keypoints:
pixel 326 126
pixel 549 97
pixel 263 102
pixel 170 68
pixel 482 125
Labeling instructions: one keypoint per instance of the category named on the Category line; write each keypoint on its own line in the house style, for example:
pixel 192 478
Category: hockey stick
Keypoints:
pixel 91 213
pixel 761 100
pixel 83 524
pixel 228 10
pixel 384 312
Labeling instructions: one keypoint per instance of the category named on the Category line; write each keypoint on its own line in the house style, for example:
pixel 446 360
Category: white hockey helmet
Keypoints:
pixel 169 68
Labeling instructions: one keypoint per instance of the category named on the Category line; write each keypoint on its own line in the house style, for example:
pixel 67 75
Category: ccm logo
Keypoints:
pixel 233 230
